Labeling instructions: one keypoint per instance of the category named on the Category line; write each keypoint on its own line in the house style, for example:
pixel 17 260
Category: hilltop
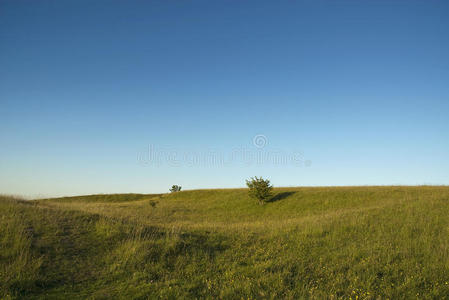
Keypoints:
pixel 326 242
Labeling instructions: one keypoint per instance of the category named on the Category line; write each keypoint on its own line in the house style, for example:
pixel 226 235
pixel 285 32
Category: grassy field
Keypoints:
pixel 330 242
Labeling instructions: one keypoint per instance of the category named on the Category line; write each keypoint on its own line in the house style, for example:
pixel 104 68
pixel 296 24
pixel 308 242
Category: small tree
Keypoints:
pixel 175 188
pixel 259 189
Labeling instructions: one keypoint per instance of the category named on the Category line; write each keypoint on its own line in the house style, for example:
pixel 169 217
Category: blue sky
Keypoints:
pixel 357 92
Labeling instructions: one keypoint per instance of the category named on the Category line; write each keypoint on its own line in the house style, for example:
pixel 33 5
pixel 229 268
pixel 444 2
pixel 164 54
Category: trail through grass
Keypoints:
pixel 345 242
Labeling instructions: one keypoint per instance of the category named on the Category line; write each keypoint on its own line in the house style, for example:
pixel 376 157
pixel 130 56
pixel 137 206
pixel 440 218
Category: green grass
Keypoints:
pixel 330 242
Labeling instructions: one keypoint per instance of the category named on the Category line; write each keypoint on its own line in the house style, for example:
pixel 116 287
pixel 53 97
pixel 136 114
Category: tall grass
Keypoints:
pixel 347 242
pixel 18 265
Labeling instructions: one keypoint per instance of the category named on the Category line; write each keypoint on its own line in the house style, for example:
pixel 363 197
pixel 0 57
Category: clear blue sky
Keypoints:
pixel 361 88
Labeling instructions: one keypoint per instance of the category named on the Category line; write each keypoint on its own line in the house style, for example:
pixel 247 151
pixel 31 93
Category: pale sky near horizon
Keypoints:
pixel 135 96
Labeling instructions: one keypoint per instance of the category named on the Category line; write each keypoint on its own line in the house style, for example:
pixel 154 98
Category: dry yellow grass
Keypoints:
pixel 329 242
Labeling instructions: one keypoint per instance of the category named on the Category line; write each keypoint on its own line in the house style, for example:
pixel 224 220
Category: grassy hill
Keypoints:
pixel 332 242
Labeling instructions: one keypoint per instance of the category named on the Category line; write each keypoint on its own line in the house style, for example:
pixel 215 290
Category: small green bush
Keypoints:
pixel 260 189
pixel 175 188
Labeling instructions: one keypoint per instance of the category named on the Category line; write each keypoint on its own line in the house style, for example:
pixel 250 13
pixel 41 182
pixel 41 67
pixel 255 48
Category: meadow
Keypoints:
pixel 388 242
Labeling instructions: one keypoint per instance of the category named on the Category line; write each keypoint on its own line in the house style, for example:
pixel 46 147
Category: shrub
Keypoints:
pixel 259 189
pixel 175 188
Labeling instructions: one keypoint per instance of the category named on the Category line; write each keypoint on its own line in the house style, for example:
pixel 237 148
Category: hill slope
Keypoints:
pixel 341 242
